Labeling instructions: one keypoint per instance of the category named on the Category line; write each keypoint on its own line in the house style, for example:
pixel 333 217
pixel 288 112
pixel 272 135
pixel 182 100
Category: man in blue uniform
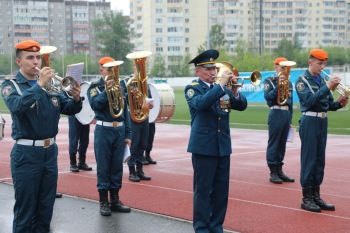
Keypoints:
pixel 78 142
pixel 315 101
pixel 111 136
pixel 35 114
pixel 280 120
pixel 210 141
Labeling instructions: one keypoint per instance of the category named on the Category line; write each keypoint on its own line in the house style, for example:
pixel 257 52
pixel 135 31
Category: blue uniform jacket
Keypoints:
pixel 271 91
pixel 320 99
pixel 35 113
pixel 99 103
pixel 210 131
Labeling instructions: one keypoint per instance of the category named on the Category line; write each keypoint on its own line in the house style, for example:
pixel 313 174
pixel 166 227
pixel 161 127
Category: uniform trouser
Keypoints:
pixel 151 132
pixel 279 123
pixel 34 174
pixel 78 136
pixel 109 144
pixel 313 136
pixel 138 142
pixel 211 186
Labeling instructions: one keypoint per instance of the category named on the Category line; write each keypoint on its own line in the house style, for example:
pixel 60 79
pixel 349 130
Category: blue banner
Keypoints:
pixel 256 94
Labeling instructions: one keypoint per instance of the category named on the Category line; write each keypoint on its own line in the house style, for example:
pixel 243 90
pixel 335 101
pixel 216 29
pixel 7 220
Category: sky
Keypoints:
pixel 122 5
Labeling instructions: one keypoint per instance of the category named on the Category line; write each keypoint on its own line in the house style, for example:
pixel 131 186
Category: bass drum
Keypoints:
pixel 163 102
pixel 86 115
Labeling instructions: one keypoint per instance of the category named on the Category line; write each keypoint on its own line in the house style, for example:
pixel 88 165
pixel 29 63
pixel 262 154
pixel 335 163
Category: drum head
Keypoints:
pixel 153 113
pixel 86 115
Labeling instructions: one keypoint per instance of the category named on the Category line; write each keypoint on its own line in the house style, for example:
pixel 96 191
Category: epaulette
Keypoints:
pixel 194 83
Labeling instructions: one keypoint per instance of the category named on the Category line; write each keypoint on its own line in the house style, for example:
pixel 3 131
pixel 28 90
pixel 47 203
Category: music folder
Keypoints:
pixel 127 153
pixel 76 71
pixel 291 133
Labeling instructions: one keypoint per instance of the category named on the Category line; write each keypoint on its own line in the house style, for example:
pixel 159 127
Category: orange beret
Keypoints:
pixel 104 60
pixel 28 45
pixel 278 60
pixel 319 54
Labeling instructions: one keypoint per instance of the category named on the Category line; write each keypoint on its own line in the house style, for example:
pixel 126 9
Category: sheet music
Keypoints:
pixel 76 71
pixel 127 154
pixel 291 133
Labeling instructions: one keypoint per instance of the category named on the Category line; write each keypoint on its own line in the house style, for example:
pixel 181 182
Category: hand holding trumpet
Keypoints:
pixel 333 82
pixel 45 75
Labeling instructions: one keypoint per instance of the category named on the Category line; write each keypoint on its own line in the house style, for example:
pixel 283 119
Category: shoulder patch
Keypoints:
pixel 190 93
pixel 194 83
pixel 266 86
pixel 300 86
pixel 93 92
pixel 7 90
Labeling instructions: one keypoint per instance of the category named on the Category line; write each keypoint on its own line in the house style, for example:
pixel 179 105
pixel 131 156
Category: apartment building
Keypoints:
pixel 66 24
pixel 173 28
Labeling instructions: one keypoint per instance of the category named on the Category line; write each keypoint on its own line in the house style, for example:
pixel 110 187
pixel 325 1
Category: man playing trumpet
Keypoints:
pixel 35 114
pixel 210 140
pixel 316 100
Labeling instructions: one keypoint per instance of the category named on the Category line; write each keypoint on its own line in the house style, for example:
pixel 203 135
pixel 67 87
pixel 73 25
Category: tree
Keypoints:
pixel 113 38
pixel 158 69
pixel 216 37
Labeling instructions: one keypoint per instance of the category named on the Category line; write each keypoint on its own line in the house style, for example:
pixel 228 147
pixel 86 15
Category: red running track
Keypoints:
pixel 255 204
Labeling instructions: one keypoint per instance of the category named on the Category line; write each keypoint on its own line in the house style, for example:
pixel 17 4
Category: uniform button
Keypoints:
pixel 219 118
pixel 219 130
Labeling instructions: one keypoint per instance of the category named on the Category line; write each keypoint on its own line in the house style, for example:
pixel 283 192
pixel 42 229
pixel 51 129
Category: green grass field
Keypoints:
pixel 254 117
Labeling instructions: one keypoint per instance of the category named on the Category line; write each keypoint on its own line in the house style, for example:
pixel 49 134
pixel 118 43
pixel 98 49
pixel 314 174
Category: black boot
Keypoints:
pixel 144 161
pixel 283 176
pixel 308 200
pixel 59 195
pixel 104 206
pixel 73 163
pixel 274 178
pixel 140 173
pixel 321 203
pixel 149 158
pixel 82 165
pixel 116 205
pixel 132 174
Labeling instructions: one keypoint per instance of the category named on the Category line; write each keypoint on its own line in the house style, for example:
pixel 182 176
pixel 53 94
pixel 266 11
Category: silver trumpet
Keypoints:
pixel 59 84
pixel 341 88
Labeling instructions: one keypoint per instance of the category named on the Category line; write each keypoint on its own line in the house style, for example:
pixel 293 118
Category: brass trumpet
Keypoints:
pixel 57 83
pixel 341 88
pixel 226 68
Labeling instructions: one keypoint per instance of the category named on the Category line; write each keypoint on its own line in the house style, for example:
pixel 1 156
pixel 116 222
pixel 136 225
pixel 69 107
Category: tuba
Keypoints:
pixel 137 87
pixel 114 92
pixel 283 85
pixel 226 68
pixel 341 88
pixel 57 83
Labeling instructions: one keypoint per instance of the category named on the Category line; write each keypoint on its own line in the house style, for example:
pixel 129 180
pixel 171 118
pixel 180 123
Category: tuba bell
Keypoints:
pixel 114 92
pixel 57 83
pixel 283 85
pixel 137 87
pixel 226 68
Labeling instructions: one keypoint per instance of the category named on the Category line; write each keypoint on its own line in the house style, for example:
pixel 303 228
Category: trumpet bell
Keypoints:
pixel 138 54
pixel 112 64
pixel 287 63
pixel 255 78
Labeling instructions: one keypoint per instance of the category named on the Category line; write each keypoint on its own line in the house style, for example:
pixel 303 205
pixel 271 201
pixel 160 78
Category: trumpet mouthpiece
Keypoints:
pixel 37 68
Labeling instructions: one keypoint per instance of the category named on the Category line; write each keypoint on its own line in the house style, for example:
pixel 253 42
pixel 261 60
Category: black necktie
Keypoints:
pixel 211 86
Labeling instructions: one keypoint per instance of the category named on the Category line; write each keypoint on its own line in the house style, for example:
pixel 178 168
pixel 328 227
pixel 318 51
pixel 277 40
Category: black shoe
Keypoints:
pixel 274 178
pixel 142 176
pixel 308 202
pixel 134 178
pixel 119 207
pixel 104 209
pixel 150 160
pixel 283 176
pixel 84 167
pixel 74 168
pixel 58 195
pixel 321 203
pixel 145 161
